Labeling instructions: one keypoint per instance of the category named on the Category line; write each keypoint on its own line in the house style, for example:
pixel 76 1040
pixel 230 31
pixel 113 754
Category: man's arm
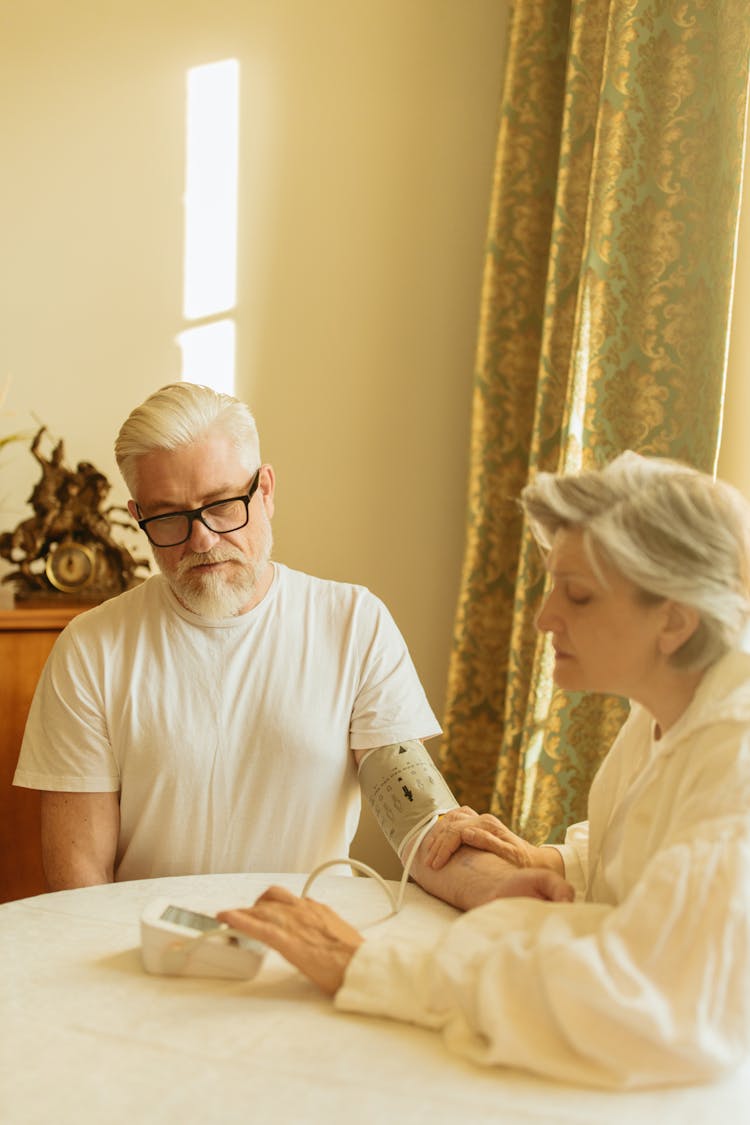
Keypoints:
pixel 79 838
pixel 402 796
pixel 471 878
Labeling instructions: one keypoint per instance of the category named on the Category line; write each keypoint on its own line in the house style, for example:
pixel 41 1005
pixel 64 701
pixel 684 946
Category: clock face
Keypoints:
pixel 70 567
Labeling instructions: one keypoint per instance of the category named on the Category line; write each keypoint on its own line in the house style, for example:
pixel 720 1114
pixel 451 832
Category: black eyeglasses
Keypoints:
pixel 221 517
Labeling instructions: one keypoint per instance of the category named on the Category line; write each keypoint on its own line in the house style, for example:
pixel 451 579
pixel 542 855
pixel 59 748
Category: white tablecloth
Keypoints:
pixel 88 1036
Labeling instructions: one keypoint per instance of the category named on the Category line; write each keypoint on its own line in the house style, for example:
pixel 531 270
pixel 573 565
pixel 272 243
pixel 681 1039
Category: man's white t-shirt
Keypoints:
pixel 230 741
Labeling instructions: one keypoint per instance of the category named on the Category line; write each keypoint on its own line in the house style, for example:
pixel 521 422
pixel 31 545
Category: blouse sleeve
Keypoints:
pixel 655 990
pixel 575 856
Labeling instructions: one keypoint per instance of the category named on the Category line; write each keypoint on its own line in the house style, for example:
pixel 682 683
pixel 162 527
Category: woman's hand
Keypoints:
pixel 309 934
pixel 486 833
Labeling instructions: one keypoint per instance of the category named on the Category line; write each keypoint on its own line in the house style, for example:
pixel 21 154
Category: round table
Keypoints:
pixel 88 1036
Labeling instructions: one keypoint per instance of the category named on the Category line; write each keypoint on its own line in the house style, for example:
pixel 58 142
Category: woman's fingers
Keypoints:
pixel 275 893
pixel 445 836
pixel 307 933
pixel 505 844
pixel 484 832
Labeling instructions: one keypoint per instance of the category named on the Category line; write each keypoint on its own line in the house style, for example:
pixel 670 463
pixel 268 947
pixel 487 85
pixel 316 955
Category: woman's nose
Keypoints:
pixel 546 618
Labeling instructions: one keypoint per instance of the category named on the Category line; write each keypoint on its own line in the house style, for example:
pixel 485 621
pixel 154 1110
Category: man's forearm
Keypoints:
pixel 472 878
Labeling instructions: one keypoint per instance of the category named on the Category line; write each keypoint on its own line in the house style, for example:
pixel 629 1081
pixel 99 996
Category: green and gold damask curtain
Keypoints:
pixel 604 320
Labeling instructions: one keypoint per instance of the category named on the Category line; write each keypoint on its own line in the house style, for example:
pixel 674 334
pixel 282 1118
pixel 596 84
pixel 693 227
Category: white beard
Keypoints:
pixel 225 592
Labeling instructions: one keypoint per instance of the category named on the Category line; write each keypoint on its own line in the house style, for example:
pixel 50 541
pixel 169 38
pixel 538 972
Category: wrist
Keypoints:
pixel 548 856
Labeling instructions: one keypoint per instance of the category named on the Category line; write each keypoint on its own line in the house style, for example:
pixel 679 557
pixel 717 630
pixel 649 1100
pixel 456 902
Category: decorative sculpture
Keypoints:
pixel 67 549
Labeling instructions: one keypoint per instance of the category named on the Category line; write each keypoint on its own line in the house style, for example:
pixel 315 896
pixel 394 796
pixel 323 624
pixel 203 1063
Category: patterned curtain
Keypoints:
pixel 603 327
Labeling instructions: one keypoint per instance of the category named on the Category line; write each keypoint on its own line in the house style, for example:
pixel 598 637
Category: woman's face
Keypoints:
pixel 605 638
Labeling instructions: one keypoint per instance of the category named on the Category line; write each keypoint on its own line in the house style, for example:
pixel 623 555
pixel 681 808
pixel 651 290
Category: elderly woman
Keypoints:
pixel 645 978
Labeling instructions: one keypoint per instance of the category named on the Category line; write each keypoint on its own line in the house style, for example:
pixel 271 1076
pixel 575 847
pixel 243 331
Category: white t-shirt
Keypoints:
pixel 229 741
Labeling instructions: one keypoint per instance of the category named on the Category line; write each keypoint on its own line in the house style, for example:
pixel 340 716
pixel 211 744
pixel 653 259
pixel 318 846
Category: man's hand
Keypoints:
pixel 309 934
pixel 488 834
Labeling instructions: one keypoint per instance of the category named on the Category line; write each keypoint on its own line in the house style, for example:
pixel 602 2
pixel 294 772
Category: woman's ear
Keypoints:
pixel 133 509
pixel 680 622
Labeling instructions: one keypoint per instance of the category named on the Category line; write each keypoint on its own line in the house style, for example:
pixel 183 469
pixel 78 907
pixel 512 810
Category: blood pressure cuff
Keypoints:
pixel 405 790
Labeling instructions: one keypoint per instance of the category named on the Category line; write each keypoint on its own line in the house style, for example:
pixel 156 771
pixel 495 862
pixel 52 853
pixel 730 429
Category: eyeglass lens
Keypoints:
pixel 222 517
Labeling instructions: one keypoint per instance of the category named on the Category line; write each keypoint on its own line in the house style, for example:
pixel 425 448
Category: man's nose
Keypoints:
pixel 202 539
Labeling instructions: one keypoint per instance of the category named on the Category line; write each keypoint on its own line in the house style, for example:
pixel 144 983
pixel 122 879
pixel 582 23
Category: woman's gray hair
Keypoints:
pixel 671 530
pixel 179 414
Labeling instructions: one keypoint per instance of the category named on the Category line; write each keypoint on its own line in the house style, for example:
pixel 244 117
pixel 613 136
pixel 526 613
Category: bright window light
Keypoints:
pixel 211 190
pixel 208 355
pixel 211 193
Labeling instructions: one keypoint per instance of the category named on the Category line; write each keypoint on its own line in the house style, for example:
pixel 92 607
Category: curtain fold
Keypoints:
pixel 603 326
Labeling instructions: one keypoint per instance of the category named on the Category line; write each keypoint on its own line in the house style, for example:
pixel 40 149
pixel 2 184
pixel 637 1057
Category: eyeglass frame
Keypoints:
pixel 194 514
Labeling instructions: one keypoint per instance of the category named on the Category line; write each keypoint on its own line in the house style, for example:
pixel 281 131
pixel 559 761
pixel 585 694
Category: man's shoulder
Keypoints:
pixel 124 609
pixel 300 582
pixel 339 601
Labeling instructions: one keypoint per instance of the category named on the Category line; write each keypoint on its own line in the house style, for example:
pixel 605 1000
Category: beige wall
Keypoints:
pixel 367 138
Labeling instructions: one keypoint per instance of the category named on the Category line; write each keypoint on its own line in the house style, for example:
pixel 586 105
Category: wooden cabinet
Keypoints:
pixel 26 637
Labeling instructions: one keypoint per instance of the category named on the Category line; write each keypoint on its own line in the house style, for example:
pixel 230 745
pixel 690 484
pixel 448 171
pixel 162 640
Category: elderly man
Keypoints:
pixel 213 718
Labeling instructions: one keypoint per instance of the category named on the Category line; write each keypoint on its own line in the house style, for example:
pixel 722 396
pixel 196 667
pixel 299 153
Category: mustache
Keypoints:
pixel 215 555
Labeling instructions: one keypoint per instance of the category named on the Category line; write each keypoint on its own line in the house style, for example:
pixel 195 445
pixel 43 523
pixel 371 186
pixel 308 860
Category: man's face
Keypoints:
pixel 211 574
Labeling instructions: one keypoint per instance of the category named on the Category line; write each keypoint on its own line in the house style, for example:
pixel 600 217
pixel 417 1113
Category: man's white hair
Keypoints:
pixel 179 414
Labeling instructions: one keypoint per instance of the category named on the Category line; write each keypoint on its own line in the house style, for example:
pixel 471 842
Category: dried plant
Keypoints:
pixel 8 439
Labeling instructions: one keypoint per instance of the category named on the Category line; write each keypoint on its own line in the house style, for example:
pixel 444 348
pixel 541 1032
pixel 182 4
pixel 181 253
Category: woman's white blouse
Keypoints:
pixel 645 979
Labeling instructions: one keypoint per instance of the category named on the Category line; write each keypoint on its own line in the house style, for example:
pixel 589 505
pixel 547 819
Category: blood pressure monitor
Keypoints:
pixel 176 941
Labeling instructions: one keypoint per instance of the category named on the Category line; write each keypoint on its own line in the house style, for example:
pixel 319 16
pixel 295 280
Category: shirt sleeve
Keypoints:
pixel 655 990
pixel 66 747
pixel 390 704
